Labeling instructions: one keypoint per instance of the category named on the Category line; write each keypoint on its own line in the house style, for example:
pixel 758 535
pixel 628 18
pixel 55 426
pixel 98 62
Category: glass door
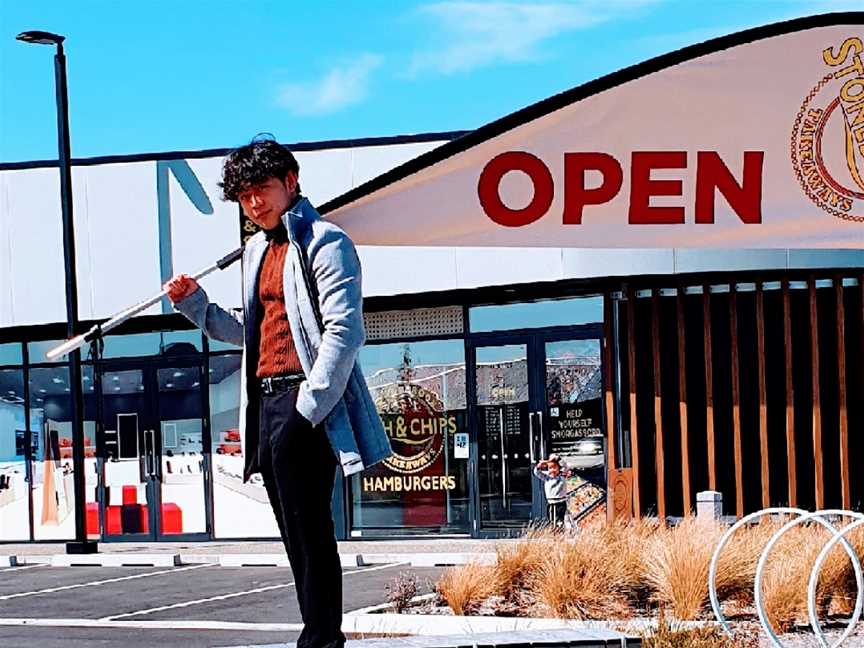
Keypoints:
pixel 123 440
pixel 151 444
pixel 574 426
pixel 507 440
pixel 179 462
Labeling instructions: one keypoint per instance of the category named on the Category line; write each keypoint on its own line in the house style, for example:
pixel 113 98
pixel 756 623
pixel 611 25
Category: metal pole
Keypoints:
pixel 81 544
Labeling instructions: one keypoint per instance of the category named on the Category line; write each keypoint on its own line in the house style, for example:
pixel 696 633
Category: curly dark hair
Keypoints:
pixel 254 163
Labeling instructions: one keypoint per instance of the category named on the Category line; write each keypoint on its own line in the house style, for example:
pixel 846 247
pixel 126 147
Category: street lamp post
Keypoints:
pixel 81 544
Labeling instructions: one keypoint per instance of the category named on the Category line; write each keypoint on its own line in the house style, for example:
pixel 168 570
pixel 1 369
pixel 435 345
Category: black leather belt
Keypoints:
pixel 273 384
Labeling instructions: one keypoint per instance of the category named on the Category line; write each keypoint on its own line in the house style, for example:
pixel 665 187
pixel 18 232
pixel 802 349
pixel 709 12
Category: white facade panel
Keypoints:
pixel 116 237
pixel 324 174
pixel 582 262
pixel 826 258
pixel 689 260
pixel 370 162
pixel 406 270
pixel 476 267
pixel 205 228
pixel 33 248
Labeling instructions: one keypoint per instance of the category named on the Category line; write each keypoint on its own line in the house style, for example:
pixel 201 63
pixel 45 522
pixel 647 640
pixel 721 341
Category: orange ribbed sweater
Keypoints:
pixel 276 352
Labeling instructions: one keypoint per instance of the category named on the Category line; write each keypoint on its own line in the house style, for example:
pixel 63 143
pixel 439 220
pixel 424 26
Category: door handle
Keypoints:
pixel 531 438
pixel 151 455
pixel 542 436
pixel 503 461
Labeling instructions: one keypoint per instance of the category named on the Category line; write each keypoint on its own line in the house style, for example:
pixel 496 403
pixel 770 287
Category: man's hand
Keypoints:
pixel 180 287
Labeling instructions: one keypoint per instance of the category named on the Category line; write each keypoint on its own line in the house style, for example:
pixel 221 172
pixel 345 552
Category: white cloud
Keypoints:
pixel 476 34
pixel 341 87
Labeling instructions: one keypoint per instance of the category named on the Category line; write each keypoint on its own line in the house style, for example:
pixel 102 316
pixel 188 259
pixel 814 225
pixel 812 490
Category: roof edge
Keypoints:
pixel 387 140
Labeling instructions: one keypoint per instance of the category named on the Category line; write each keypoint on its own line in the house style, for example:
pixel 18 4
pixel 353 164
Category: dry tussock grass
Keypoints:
pixel 843 599
pixel 611 571
pixel 465 588
pixel 577 579
pixel 629 540
pixel 787 575
pixel 736 569
pixel 516 562
pixel 677 562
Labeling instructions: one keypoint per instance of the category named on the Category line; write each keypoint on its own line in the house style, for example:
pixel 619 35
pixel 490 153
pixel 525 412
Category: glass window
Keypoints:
pixel 53 492
pixel 559 312
pixel 219 345
pixel 10 354
pixel 156 343
pixel 419 391
pixel 14 515
pixel 239 510
pixel 37 350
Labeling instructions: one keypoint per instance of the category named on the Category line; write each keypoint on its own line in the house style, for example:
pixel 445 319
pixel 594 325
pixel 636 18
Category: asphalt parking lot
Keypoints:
pixel 192 606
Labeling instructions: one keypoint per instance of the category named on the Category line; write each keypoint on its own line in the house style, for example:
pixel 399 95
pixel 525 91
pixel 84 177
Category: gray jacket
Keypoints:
pixel 335 390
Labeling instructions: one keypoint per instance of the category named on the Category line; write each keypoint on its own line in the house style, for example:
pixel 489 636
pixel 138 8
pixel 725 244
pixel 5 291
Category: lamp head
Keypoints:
pixel 40 38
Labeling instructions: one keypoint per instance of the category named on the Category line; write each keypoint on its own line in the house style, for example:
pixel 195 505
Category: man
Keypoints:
pixel 304 404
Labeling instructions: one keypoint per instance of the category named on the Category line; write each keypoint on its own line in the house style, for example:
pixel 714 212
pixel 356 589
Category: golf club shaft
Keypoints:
pixel 101 329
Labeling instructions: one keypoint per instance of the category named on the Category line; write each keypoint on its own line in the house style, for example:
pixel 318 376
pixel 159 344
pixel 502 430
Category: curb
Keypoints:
pixel 436 624
pixel 240 560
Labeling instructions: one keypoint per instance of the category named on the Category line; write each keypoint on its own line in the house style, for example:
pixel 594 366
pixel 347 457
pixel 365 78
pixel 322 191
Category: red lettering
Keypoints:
pixel 490 179
pixel 642 187
pixel 576 196
pixel 744 199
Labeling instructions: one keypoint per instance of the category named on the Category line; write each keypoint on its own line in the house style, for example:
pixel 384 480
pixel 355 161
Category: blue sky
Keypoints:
pixel 159 76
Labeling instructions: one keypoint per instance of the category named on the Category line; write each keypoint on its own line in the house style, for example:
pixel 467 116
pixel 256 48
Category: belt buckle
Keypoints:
pixel 267 384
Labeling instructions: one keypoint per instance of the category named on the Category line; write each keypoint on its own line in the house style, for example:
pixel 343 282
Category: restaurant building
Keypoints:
pixel 530 287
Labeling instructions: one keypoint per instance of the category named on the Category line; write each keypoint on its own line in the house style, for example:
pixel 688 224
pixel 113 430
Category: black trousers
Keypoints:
pixel 298 468
pixel 556 511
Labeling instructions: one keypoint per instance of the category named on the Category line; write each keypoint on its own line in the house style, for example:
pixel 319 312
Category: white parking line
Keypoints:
pixel 51 590
pixel 11 569
pixel 224 597
pixel 205 624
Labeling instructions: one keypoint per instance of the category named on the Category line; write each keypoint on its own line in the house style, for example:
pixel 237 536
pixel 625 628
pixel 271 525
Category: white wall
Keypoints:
pixel 118 240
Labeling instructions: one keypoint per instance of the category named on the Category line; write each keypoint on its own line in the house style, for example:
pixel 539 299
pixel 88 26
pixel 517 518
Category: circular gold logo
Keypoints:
pixel 416 423
pixel 827 144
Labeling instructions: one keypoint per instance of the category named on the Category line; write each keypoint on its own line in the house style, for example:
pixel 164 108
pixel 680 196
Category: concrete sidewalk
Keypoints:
pixel 424 552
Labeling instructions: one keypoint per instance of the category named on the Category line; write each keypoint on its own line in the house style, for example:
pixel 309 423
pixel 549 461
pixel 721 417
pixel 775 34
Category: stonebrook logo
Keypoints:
pixel 828 136
pixel 415 421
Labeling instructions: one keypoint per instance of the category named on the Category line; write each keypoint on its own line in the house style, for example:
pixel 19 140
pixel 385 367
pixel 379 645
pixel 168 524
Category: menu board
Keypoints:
pixel 512 420
pixel 492 420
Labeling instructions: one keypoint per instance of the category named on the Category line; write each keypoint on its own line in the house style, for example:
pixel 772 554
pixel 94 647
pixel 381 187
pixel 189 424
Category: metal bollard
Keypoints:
pixel 709 505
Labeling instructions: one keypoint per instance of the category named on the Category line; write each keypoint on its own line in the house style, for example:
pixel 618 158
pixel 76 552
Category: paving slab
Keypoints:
pixel 564 638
